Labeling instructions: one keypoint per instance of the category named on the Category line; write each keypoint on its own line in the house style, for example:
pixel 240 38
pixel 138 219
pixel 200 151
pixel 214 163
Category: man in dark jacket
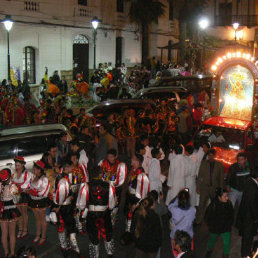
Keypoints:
pixel 55 78
pixel 183 244
pixel 247 218
pixel 236 178
pixel 106 142
pixel 211 176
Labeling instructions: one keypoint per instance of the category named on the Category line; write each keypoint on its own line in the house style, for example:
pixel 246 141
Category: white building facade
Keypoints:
pixel 58 34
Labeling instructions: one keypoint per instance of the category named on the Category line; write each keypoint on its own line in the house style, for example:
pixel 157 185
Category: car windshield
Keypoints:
pixel 228 138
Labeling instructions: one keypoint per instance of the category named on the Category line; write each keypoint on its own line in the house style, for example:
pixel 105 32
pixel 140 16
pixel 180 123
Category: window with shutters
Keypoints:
pixel 29 71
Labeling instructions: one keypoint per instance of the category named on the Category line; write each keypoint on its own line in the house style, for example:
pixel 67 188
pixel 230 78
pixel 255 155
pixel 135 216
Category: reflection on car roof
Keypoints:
pixel 121 103
pixel 164 88
pixel 31 128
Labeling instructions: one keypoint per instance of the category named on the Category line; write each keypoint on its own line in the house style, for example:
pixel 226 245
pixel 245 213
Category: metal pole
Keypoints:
pixel 94 39
pixel 203 58
pixel 8 57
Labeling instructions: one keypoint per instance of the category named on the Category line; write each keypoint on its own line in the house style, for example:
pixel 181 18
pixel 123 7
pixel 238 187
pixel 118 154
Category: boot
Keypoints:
pixel 128 225
pixel 63 240
pixel 93 250
pixel 129 221
pixel 113 216
pixel 78 223
pixel 208 254
pixel 110 247
pixel 73 242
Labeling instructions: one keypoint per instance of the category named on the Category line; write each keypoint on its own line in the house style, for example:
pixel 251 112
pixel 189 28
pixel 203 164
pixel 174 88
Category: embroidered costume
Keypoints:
pixel 63 199
pixel 38 192
pixel 96 200
pixel 22 184
pixel 8 209
pixel 139 186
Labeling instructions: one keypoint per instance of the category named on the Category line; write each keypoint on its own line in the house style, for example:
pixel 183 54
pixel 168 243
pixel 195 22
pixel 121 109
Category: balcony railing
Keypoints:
pixel 243 20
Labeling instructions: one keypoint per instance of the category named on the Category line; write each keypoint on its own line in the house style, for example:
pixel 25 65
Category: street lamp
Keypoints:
pixel 203 24
pixel 8 23
pixel 95 24
pixel 235 26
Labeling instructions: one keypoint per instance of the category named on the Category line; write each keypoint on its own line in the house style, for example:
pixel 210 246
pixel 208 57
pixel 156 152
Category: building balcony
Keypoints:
pixel 243 20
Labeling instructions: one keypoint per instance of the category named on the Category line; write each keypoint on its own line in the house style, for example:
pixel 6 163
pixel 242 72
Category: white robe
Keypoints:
pixel 176 176
pixel 154 175
pixel 147 159
pixel 190 180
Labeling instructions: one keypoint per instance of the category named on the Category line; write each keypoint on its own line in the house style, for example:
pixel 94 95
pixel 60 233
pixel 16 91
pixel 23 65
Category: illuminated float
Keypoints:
pixel 233 129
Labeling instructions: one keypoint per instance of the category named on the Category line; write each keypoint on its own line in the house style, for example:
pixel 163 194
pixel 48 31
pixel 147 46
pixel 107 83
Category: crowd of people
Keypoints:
pixel 78 186
pixel 79 183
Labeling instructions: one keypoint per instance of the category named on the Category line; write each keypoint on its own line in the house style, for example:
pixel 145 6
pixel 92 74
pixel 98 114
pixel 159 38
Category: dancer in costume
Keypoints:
pixel 129 125
pixel 64 208
pixel 114 172
pixel 21 178
pixel 138 187
pixel 9 213
pixel 79 175
pixel 38 190
pixel 96 200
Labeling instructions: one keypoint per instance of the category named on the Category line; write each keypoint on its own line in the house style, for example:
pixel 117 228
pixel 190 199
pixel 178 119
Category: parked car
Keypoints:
pixel 104 109
pixel 27 141
pixel 191 83
pixel 158 93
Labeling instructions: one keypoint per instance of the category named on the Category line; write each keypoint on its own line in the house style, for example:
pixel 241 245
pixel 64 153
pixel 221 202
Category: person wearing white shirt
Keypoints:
pixel 177 173
pixel 190 179
pixel 147 155
pixel 155 171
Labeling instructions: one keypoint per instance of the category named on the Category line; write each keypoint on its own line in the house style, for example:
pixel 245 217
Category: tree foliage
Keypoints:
pixel 144 13
pixel 187 13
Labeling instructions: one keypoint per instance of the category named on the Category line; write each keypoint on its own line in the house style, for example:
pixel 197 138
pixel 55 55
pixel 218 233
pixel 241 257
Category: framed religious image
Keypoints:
pixel 236 93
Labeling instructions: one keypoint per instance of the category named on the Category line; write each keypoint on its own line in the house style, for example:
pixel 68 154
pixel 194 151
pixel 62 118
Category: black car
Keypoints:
pixel 158 93
pixel 105 108
pixel 190 83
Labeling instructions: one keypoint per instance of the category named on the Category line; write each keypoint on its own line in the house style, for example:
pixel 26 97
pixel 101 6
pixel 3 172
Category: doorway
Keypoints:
pixel 81 57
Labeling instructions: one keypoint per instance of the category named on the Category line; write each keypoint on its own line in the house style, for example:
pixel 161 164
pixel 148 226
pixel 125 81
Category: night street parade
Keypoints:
pixel 129 128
